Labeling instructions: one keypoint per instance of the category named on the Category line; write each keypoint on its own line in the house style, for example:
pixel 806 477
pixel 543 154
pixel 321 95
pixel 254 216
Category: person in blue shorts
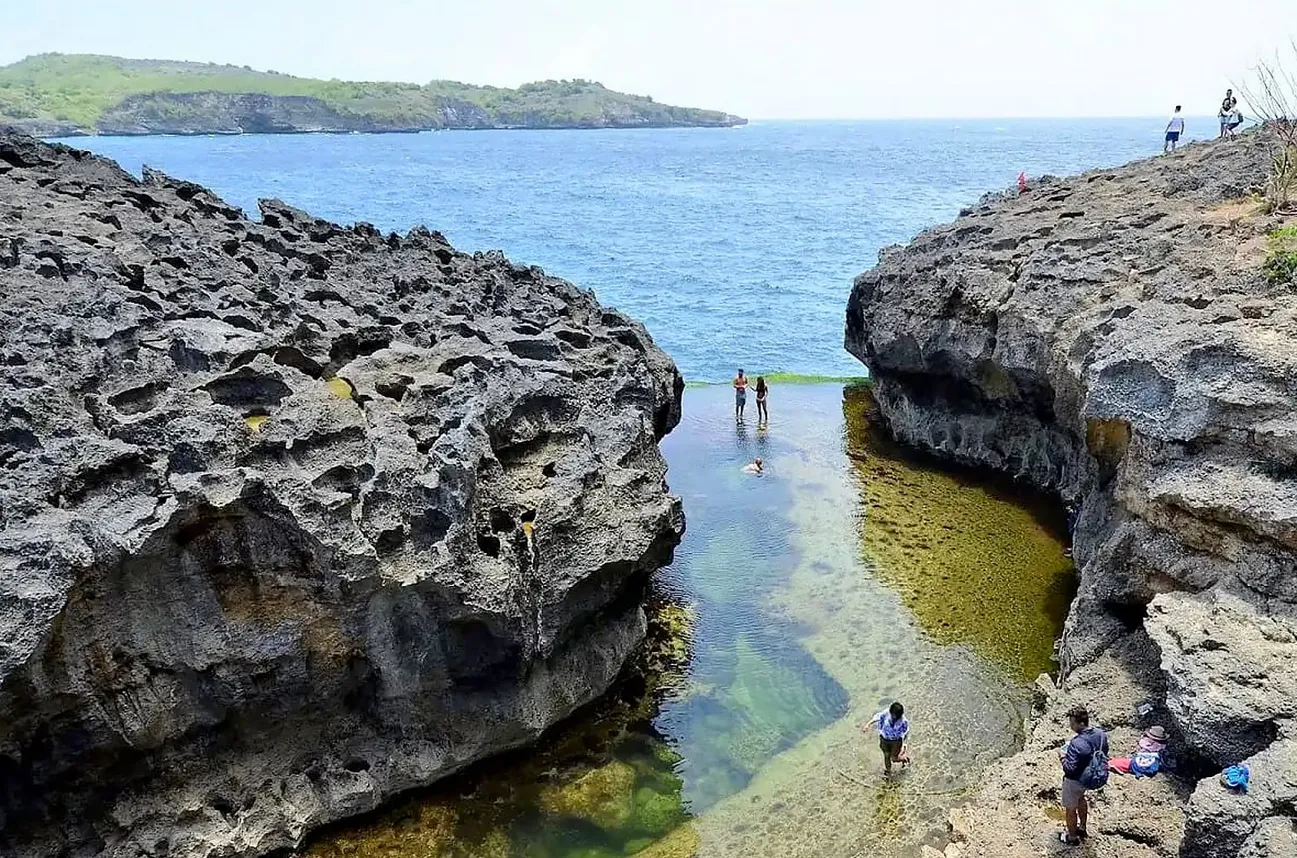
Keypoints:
pixel 740 395
pixel 1174 129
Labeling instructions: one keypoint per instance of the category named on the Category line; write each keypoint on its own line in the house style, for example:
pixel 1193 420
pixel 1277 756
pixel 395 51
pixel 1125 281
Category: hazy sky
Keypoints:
pixel 758 58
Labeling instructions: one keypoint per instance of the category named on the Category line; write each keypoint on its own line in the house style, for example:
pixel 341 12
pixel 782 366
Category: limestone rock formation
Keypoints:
pixel 294 516
pixel 1112 337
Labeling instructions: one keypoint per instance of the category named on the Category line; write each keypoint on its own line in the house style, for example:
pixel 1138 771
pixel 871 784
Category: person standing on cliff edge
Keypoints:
pixel 1227 109
pixel 740 395
pixel 1174 129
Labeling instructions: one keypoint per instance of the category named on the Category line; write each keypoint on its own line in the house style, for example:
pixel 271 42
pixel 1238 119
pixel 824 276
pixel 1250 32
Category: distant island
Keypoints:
pixel 55 95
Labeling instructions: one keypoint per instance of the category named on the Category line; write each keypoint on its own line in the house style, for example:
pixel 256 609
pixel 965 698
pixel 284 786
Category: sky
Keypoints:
pixel 795 59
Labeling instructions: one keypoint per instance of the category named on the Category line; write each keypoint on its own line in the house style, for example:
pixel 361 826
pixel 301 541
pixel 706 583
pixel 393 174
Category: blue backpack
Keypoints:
pixel 1095 773
pixel 1145 763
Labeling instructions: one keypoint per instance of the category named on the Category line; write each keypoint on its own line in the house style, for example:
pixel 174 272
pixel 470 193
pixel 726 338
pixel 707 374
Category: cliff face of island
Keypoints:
pixel 54 95
pixel 294 516
pixel 1113 338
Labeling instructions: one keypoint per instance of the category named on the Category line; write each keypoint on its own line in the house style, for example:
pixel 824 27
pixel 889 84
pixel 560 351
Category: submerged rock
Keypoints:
pixel 1112 337
pixel 294 516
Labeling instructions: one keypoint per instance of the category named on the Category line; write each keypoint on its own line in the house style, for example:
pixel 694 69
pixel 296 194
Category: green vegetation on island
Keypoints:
pixel 58 94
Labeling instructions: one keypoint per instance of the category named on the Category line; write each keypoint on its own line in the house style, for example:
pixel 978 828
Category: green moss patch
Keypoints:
pixel 977 564
pixel 1280 264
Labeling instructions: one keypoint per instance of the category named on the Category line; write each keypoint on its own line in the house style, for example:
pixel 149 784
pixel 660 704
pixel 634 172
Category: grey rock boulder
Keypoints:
pixel 294 516
pixel 1229 670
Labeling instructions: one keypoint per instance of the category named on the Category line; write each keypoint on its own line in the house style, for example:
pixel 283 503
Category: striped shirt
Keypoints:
pixel 892 730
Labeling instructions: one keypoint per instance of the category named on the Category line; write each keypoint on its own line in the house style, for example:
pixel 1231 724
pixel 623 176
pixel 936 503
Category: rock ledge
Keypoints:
pixel 294 516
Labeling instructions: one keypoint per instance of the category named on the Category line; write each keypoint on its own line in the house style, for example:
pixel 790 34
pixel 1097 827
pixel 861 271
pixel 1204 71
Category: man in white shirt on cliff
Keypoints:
pixel 1174 129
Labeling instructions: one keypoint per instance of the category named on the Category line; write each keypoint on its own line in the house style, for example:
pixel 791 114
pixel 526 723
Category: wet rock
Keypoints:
pixel 289 519
pixel 1090 338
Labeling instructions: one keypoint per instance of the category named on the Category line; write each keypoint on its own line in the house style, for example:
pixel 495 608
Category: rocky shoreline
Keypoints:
pixel 294 516
pixel 1111 337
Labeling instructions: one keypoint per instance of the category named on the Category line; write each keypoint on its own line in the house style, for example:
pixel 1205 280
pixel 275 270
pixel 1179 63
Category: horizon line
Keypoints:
pixel 1015 118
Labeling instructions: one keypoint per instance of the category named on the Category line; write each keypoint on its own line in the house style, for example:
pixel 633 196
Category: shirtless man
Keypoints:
pixel 740 395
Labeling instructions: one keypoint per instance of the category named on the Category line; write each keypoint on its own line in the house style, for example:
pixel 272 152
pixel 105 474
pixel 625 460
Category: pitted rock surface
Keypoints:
pixel 294 516
pixel 1112 337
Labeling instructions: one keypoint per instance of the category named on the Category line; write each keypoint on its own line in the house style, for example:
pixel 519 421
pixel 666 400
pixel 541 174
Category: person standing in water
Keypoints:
pixel 763 416
pixel 740 395
pixel 893 735
pixel 1174 129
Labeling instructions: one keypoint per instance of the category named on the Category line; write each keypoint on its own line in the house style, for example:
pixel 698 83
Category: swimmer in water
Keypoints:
pixel 755 467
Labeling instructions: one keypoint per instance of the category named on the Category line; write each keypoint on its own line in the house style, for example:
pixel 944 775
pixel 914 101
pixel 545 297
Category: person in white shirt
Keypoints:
pixel 1174 129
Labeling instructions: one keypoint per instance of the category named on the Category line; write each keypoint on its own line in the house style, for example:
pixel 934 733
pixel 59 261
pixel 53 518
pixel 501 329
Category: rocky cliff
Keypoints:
pixel 294 516
pixel 1112 337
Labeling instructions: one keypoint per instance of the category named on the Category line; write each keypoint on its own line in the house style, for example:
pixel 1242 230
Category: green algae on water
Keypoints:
pixel 977 563
pixel 598 786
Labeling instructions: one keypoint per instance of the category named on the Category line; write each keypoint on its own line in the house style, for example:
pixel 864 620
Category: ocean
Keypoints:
pixel 736 247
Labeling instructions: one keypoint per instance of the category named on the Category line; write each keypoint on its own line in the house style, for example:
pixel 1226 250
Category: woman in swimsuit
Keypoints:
pixel 763 416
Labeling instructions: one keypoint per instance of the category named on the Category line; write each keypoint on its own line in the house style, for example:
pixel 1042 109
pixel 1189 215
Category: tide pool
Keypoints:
pixel 799 604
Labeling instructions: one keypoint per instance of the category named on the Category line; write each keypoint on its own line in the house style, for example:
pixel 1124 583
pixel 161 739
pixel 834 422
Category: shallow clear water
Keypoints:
pixel 736 247
pixel 781 625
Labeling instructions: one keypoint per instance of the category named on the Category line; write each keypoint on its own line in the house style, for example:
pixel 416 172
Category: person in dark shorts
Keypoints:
pixel 1174 129
pixel 1228 108
pixel 740 395
pixel 893 735
pixel 1076 757
pixel 763 392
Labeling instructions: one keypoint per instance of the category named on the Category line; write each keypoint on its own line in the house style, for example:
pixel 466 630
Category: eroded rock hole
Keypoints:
pixel 244 389
pixel 501 521
pixel 429 528
pixel 389 540
pixel 489 543
pixel 542 350
pixel 358 343
pixel 135 400
pixel 393 386
pixel 574 338
pixel 290 356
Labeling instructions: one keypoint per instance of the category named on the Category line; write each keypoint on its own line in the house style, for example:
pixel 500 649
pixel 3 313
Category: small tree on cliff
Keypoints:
pixel 1272 95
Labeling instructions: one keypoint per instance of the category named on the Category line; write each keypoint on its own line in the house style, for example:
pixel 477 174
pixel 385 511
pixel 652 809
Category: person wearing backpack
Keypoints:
pixel 1085 767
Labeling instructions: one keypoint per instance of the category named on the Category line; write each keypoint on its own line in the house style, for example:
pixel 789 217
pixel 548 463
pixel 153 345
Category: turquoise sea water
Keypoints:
pixel 735 246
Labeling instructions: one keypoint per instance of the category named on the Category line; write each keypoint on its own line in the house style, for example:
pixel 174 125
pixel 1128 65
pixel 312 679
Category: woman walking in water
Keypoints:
pixel 763 416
